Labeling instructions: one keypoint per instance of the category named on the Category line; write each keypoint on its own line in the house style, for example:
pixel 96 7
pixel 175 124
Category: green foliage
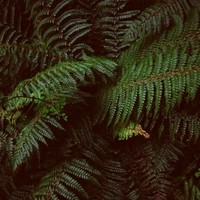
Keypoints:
pixel 160 76
pixel 129 131
pixel 57 181
pixel 79 79
pixel 162 13
pixel 197 174
pixel 150 165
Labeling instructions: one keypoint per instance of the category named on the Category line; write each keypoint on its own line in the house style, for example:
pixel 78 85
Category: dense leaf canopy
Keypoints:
pixel 99 99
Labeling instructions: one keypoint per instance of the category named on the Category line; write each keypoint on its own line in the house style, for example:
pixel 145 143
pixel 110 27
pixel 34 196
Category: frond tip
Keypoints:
pixel 130 131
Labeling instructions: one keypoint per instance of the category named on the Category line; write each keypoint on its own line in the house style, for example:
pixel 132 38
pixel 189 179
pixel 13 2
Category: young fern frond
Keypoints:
pixel 131 130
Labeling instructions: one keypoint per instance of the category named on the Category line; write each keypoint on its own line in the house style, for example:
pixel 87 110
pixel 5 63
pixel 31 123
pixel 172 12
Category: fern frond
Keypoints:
pixel 158 80
pixel 191 190
pixel 99 154
pixel 113 177
pixel 14 30
pixel 180 125
pixel 154 17
pixel 61 27
pixel 131 130
pixel 70 74
pixel 65 181
pixel 11 22
pixel 24 192
pixel 150 167
pixel 28 58
pixel 36 130
pixel 59 108
pixel 113 24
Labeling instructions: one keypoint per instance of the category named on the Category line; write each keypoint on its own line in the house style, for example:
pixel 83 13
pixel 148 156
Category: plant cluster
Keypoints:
pixel 99 99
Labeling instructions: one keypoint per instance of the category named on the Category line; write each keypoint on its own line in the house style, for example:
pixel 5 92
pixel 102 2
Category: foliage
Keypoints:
pixel 99 99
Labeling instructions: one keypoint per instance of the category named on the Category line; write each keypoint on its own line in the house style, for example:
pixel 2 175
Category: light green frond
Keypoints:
pixel 131 130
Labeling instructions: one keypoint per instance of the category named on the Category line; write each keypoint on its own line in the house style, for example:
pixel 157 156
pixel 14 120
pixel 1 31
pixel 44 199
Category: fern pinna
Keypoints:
pixel 99 99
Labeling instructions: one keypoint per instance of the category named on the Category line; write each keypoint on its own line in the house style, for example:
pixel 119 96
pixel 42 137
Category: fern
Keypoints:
pixel 191 190
pixel 113 25
pixel 97 151
pixel 158 80
pixel 159 14
pixel 33 132
pixel 63 175
pixel 182 126
pixel 79 79
pixel 69 179
pixel 41 87
pixel 60 30
pixel 128 132
pixel 43 84
pixel 151 170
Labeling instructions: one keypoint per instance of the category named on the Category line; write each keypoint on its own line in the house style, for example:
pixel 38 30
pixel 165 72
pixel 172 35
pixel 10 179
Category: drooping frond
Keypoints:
pixel 153 78
pixel 66 180
pixel 113 23
pixel 27 140
pixel 97 151
pixel 22 141
pixel 55 79
pixel 179 125
pixel 58 25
